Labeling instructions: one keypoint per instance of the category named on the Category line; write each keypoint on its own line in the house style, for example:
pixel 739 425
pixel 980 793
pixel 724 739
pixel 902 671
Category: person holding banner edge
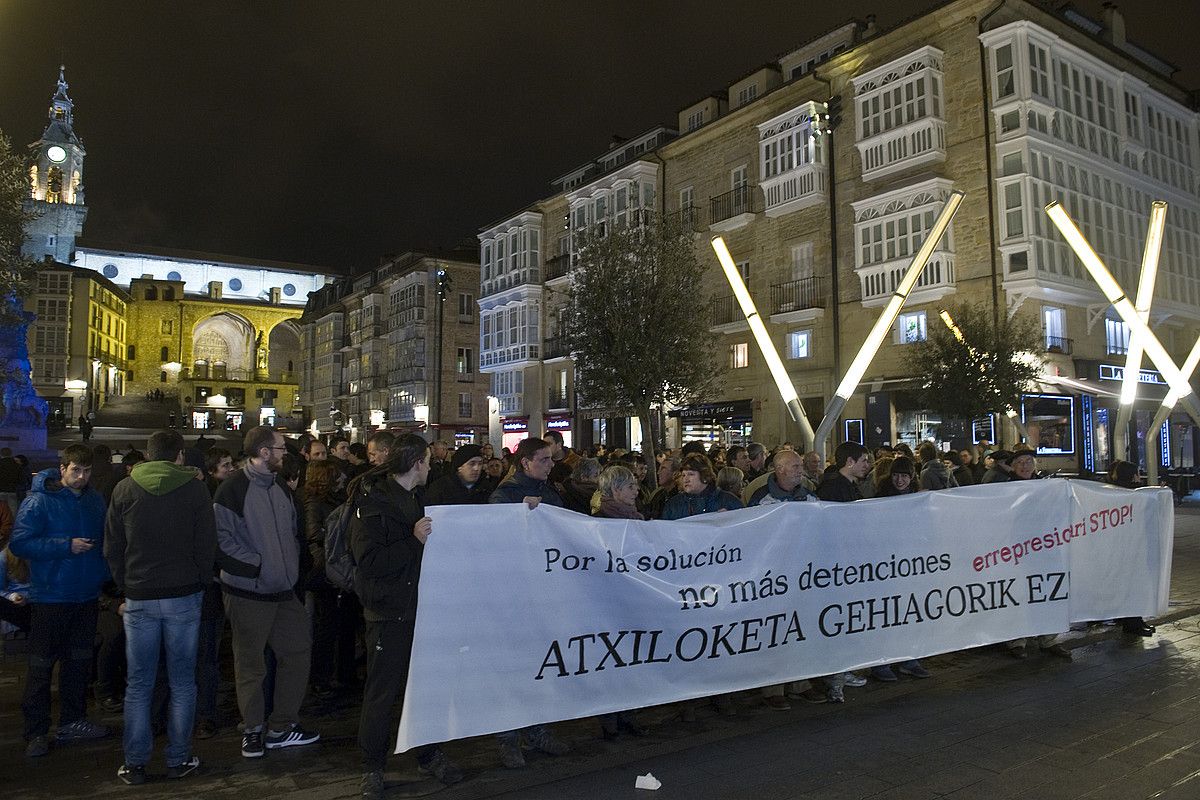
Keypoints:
pixel 387 537
pixel 528 483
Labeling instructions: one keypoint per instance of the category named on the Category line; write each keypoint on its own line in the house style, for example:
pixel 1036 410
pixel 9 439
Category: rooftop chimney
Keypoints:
pixel 869 30
pixel 1114 24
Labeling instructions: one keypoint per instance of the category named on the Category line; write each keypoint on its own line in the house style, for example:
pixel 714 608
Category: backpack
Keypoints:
pixel 339 561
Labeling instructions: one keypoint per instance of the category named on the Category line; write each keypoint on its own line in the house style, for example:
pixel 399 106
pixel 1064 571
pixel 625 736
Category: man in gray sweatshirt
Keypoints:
pixel 260 569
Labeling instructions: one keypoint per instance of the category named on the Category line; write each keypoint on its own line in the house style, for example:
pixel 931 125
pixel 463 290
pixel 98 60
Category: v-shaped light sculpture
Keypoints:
pixel 1145 297
pixel 1164 411
pixel 1124 307
pixel 786 389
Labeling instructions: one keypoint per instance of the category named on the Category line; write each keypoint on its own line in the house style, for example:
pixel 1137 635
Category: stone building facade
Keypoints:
pixel 372 345
pixel 1015 105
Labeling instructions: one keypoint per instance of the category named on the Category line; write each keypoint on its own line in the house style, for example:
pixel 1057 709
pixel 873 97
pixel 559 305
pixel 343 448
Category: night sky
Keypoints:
pixel 333 133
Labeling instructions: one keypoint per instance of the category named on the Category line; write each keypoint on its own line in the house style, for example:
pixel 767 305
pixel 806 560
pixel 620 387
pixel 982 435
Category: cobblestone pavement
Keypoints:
pixel 1122 720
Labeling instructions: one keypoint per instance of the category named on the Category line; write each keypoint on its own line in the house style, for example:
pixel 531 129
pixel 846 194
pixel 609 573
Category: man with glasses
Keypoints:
pixel 260 568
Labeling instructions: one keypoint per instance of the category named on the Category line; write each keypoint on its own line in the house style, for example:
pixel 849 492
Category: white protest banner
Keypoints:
pixel 536 616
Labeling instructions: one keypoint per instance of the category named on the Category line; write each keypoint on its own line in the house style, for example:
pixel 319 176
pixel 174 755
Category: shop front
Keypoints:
pixel 727 422
pixel 514 430
pixel 563 425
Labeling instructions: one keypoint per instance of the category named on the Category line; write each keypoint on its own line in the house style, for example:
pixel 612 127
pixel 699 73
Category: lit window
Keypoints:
pixel 739 355
pixel 799 344
pixel 912 327
pixel 1116 337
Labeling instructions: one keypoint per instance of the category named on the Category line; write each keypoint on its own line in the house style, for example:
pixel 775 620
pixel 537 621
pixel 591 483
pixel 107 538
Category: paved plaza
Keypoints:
pixel 1121 720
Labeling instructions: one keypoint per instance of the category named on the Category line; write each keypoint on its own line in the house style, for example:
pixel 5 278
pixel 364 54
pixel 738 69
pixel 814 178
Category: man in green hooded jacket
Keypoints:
pixel 160 543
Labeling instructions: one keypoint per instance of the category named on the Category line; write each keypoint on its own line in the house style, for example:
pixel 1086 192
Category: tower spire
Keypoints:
pixel 61 106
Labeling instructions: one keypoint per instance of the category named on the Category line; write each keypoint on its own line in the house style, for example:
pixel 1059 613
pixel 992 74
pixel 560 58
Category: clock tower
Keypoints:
pixel 56 184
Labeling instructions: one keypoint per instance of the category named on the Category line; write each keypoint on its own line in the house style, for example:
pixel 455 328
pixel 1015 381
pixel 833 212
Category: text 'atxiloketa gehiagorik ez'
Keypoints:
pixel 744 632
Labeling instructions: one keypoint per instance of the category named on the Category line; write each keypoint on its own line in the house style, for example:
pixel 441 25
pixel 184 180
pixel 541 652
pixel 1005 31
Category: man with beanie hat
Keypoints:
pixel 463 485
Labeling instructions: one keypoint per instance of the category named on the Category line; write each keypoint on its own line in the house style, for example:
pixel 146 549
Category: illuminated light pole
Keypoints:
pixel 1009 411
pixel 1145 297
pixel 1112 291
pixel 1164 411
pixel 754 320
pixel 882 325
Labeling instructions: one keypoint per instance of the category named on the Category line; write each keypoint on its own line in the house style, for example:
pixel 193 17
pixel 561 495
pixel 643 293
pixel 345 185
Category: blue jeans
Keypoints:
pixel 171 625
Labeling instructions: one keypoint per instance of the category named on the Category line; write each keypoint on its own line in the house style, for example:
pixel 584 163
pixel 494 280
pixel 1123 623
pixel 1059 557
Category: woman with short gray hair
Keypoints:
pixel 618 493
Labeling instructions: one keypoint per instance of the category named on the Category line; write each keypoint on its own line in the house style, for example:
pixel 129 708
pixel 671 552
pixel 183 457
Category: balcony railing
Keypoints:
pixel 558 400
pixel 919 142
pixel 795 189
pixel 509 280
pixel 555 347
pixel 879 280
pixel 558 267
pixel 508 355
pixel 732 204
pixel 797 295
pixel 726 311
pixel 1059 344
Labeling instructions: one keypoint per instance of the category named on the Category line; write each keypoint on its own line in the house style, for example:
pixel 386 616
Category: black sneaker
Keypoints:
pixel 132 775
pixel 38 746
pixel 293 737
pixel 442 768
pixel 252 744
pixel 81 729
pixel 184 769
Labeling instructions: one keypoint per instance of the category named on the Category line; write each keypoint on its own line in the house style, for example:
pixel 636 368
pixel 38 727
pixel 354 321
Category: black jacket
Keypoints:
pixel 449 490
pixel 519 486
pixel 160 538
pixel 316 511
pixel 387 555
pixel 838 488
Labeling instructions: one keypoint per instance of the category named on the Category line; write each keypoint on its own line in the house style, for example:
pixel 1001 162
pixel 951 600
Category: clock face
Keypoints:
pixel 56 154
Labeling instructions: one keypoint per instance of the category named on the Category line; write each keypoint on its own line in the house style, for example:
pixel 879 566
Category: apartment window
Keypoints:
pixel 744 271
pixel 695 120
pixel 1054 320
pixel 798 343
pixel 790 148
pixel 1116 337
pixel 1014 223
pixel 895 238
pixel 802 261
pixel 739 355
pixel 739 177
pixel 886 102
pixel 686 198
pixel 466 307
pixel 464 404
pixel 1039 71
pixel 164 354
pixel 464 361
pixel 1005 73
pixel 747 94
pixel 912 327
pixel 131 352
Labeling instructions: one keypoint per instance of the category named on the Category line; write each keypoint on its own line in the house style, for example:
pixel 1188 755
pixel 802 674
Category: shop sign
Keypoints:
pixel 515 425
pixel 1112 372
pixel 558 424
pixel 725 409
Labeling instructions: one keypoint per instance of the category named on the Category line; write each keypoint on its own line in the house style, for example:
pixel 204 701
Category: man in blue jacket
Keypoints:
pixel 60 531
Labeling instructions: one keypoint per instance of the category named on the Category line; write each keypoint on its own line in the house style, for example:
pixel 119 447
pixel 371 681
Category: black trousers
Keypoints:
pixel 110 656
pixel 336 617
pixel 14 614
pixel 61 633
pixel 389 646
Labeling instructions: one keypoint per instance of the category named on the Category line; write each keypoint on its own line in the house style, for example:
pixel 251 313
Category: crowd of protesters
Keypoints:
pixel 157 553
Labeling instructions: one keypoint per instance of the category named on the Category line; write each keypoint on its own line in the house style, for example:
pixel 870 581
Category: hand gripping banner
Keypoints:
pixel 543 615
